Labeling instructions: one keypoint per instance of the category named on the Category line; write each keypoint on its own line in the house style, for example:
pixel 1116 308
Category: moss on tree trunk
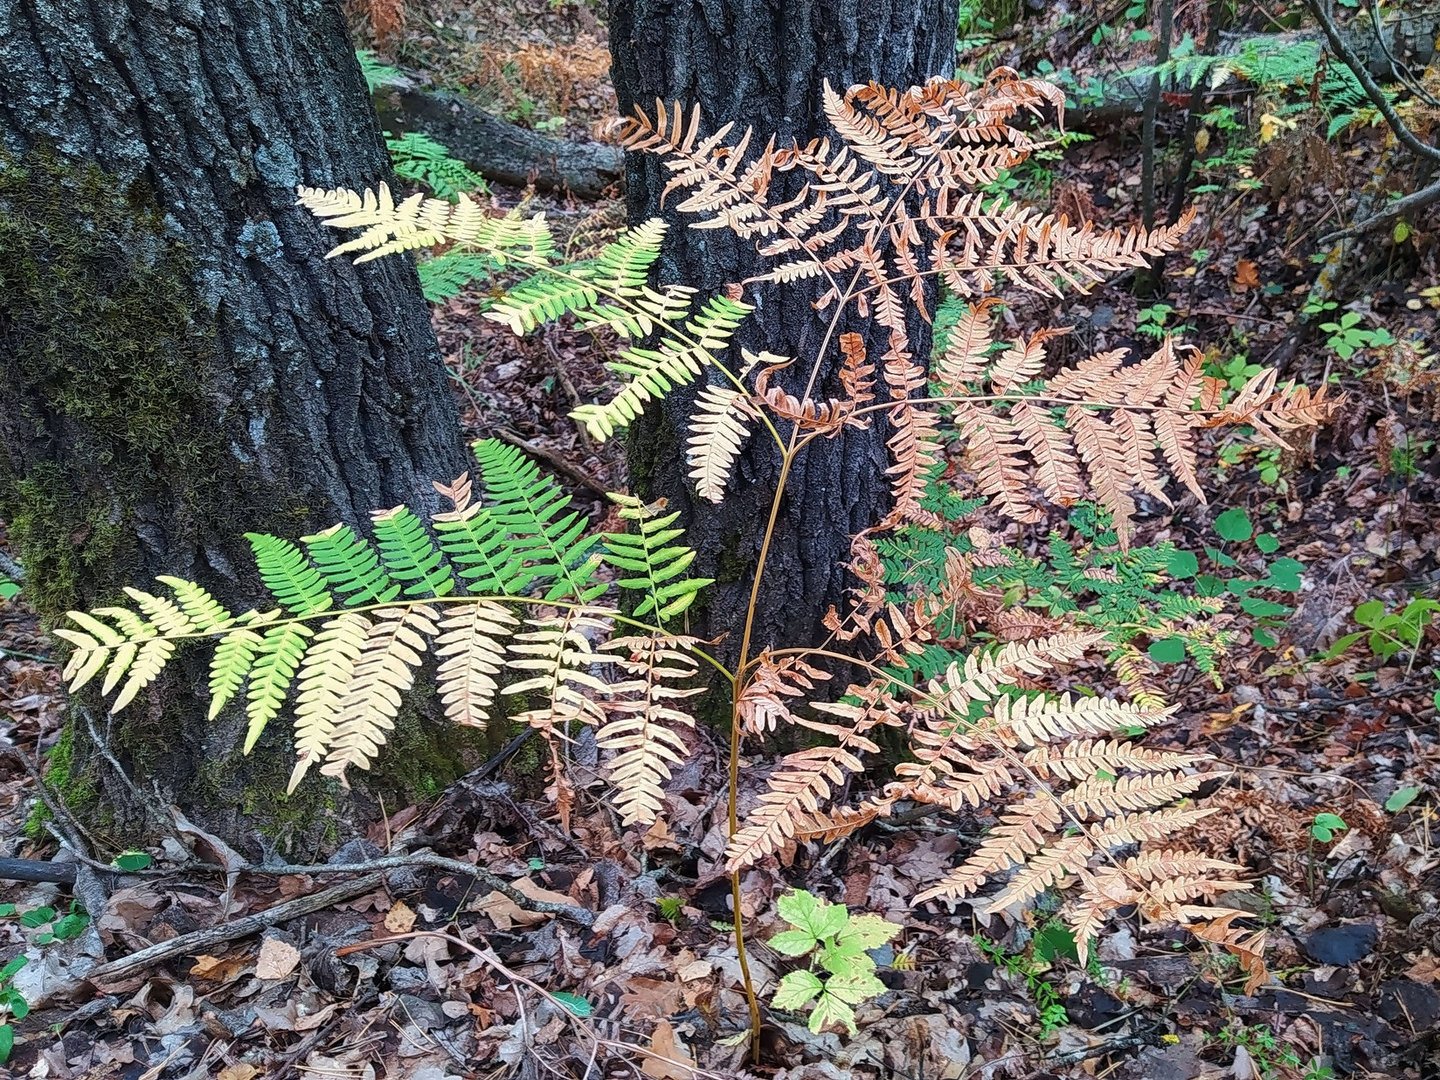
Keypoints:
pixel 182 366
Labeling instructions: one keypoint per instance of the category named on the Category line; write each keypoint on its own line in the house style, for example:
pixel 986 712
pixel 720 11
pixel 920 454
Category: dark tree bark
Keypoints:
pixel 764 64
pixel 181 364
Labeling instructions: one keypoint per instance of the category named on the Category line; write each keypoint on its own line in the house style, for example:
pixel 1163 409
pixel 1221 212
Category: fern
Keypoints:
pixel 506 590
pixel 420 158
pixel 354 619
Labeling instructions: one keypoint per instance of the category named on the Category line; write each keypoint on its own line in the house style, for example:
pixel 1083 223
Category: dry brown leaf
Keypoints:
pixel 238 1071
pixel 277 959
pixel 672 1061
pixel 1247 275
pixel 219 968
pixel 400 919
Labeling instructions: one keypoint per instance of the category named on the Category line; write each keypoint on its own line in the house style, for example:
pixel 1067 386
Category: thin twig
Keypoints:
pixel 1416 200
pixel 203 940
pixel 579 915
pixel 1372 89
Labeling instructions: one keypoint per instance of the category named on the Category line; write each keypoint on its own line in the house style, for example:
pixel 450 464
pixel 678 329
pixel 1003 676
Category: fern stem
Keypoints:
pixel 437 601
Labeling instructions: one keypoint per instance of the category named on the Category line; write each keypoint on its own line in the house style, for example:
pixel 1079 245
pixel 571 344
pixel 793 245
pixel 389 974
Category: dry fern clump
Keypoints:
pixel 503 589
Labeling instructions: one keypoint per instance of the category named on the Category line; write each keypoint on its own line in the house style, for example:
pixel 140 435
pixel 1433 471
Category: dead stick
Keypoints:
pixel 554 460
pixel 202 940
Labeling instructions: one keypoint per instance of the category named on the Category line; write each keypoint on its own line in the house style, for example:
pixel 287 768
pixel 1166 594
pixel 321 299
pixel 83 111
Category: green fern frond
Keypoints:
pixel 610 289
pixel 410 555
pixel 446 275
pixel 657 563
pixel 377 74
pixel 276 659
pixel 533 510
pixel 481 547
pixel 350 566
pixel 420 158
pixel 283 568
pixel 230 666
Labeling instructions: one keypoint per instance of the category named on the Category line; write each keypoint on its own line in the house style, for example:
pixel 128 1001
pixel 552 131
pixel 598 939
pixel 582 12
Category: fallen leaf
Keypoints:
pixel 277 959
pixel 672 1061
pixel 219 968
pixel 1247 275
pixel 240 1071
pixel 400 919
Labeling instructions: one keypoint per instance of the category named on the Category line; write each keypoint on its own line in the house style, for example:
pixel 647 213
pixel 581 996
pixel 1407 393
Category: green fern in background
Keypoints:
pixel 430 163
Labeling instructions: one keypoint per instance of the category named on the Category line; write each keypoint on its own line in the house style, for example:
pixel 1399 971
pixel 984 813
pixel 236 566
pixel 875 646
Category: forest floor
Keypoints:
pixel 482 986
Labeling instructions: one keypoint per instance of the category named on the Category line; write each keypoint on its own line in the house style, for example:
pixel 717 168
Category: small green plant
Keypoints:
pixel 1388 633
pixel 1347 337
pixel 1327 826
pixel 1235 372
pixel 841 974
pixel 669 907
pixel 8 589
pixel 1272 1058
pixel 1050 1011
pixel 13 1005
pixel 1154 322
pixel 1279 575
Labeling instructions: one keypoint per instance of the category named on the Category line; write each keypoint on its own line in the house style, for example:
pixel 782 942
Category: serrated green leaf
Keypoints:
pixel 793 942
pixel 796 990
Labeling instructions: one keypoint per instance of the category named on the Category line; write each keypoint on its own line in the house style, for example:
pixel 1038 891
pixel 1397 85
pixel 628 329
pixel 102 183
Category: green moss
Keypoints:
pixel 69 782
pixel 108 351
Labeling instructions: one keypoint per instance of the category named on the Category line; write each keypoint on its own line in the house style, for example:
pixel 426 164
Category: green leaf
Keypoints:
pixel 869 931
pixel 1234 525
pixel 130 861
pixel 1370 613
pixel 9 970
pixel 1055 939
pixel 793 942
pixel 1267 542
pixel 1262 608
pixel 1182 565
pixel 7 1042
pixel 38 917
pixel 1167 651
pixel 6 910
pixel 796 990
pixel 574 1003
pixel 1401 799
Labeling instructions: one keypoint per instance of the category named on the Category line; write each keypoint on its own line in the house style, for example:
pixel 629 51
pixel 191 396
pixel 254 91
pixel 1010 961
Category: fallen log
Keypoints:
pixel 499 150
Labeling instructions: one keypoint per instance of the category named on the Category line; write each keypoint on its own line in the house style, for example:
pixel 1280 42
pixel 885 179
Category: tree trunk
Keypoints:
pixel 181 364
pixel 765 64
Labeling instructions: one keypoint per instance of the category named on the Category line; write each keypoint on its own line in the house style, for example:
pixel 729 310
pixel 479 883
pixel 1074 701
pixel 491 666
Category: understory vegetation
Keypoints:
pixel 1118 756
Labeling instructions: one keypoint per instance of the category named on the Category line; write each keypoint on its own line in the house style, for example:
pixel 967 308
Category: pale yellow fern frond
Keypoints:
pixel 471 653
pixel 643 723
pixel 324 679
pixel 395 643
pixel 718 427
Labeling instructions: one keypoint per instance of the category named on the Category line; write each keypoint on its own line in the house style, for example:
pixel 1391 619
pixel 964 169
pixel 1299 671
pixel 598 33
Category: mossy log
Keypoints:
pixel 181 365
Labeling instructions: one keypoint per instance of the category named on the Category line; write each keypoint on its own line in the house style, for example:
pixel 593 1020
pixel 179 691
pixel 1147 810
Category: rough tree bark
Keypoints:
pixel 764 63
pixel 181 364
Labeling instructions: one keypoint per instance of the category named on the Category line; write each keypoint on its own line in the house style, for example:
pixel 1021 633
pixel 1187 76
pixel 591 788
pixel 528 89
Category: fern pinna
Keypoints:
pixel 510 587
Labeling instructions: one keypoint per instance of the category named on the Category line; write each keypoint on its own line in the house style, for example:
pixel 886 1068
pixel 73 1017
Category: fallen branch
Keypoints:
pixel 1377 97
pixel 575 914
pixel 499 150
pixel 1416 200
pixel 203 940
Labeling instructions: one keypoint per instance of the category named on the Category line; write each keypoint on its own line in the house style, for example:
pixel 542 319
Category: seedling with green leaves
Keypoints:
pixel 1389 633
pixel 841 974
